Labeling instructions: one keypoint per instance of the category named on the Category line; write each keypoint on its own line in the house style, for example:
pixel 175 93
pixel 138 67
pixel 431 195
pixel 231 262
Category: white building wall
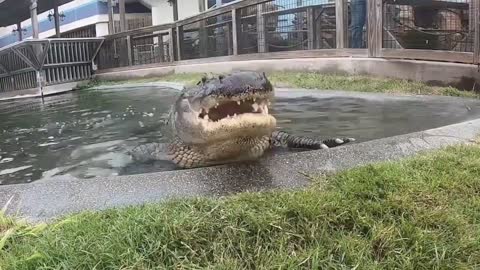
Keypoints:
pixel 188 8
pixel 162 12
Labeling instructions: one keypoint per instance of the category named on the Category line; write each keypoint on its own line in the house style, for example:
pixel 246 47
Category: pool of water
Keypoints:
pixel 87 133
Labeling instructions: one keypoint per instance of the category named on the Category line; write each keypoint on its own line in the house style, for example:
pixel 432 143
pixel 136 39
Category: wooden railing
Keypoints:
pixel 253 29
pixel 34 64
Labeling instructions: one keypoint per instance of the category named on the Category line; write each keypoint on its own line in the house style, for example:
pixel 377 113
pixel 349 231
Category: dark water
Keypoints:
pixel 86 133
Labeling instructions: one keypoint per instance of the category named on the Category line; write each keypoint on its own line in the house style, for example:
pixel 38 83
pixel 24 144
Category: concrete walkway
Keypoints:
pixel 42 201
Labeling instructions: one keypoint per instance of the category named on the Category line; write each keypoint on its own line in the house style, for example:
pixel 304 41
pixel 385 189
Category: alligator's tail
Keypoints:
pixel 281 138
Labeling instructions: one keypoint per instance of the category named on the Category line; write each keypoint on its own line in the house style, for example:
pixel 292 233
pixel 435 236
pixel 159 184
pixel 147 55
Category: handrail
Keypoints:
pixel 47 40
pixel 195 18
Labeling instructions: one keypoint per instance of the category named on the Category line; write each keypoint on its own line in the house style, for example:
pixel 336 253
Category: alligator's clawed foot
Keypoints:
pixel 281 138
pixel 149 152
pixel 329 143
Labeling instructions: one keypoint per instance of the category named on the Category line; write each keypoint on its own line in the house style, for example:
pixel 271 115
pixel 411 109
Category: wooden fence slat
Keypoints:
pixel 374 27
pixel 476 52
pixel 310 28
pixel 236 21
pixel 340 24
pixel 261 37
pixel 171 45
pixel 179 35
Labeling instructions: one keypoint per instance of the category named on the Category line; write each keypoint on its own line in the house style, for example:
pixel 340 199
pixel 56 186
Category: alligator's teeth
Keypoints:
pixel 265 110
pixel 206 110
pixel 255 107
pixel 205 117
pixel 234 115
pixel 254 99
pixel 238 102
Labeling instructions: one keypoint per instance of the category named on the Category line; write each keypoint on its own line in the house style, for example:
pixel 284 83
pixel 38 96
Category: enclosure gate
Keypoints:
pixel 36 63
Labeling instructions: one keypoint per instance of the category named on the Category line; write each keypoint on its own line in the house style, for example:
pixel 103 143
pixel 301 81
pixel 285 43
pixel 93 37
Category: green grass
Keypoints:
pixel 419 213
pixel 312 80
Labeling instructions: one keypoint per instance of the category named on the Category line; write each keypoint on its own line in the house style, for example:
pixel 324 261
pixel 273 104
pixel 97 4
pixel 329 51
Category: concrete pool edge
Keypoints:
pixel 464 76
pixel 45 200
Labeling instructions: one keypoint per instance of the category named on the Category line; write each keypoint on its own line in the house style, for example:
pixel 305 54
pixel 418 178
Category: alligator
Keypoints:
pixel 225 119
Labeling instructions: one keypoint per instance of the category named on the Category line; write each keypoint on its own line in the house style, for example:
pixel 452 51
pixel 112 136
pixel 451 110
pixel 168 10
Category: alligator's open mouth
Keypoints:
pixel 235 107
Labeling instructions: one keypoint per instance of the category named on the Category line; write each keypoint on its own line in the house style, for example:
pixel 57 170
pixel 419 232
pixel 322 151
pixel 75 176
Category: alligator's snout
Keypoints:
pixel 237 84
pixel 235 95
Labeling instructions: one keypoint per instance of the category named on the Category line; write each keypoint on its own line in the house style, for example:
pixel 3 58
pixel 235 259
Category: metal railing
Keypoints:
pixel 37 63
pixel 438 30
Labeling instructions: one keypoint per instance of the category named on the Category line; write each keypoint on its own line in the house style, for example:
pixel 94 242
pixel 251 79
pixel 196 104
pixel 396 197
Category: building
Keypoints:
pixel 89 18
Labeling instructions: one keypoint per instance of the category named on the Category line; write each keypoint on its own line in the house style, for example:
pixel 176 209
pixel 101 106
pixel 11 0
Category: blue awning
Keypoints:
pixel 14 11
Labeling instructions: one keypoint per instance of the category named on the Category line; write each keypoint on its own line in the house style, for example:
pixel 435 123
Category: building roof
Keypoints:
pixel 14 11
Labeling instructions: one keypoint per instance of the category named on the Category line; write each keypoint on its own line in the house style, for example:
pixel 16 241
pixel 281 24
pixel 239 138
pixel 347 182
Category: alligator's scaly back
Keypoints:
pixel 225 119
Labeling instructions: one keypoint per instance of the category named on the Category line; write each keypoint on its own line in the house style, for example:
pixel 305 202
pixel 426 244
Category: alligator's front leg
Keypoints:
pixel 151 152
pixel 281 138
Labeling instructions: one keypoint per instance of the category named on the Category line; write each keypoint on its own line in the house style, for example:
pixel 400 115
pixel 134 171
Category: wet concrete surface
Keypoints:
pixel 45 200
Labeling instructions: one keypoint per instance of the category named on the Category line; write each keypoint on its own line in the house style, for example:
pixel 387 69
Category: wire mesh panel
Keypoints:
pixel 84 32
pixel 133 23
pixel 435 25
pixel 113 54
pixel 149 49
pixel 286 25
pixel 208 38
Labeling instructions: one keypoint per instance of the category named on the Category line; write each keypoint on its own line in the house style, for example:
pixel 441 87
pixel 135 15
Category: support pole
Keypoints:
pixel 56 17
pixel 121 10
pixel 111 30
pixel 20 31
pixel 175 10
pixel 33 16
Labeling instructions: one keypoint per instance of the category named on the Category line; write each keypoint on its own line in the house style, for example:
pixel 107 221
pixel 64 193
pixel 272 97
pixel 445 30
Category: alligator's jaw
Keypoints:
pixel 222 118
pixel 233 129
